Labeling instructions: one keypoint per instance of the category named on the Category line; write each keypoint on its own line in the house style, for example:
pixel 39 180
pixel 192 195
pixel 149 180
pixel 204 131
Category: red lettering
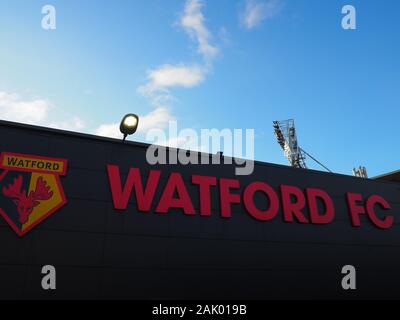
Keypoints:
pixel 294 200
pixel 227 198
pixel 355 210
pixel 121 197
pixel 167 201
pixel 373 200
pixel 293 209
pixel 204 184
pixel 248 199
pixel 316 217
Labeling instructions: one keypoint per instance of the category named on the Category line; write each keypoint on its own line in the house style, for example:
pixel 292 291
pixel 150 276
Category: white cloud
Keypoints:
pixel 156 119
pixel 192 21
pixel 256 11
pixel 172 76
pixel 14 108
pixel 168 76
pixel 110 130
pixel 160 80
pixel 75 124
pixel 165 77
pixel 36 111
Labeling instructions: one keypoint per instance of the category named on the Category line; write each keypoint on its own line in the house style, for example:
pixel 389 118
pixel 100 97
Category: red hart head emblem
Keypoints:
pixel 30 189
pixel 25 203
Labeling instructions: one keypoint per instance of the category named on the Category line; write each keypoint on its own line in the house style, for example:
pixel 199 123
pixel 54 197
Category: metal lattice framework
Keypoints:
pixel 285 132
pixel 361 172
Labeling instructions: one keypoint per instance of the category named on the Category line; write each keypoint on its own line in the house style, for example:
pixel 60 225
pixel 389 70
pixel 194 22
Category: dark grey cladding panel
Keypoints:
pixel 139 223
pixel 100 252
pixel 256 255
pixel 72 283
pixel 67 248
pixel 181 225
pixel 22 141
pixel 81 153
pixel 12 279
pixel 243 227
pixel 135 283
pixel 125 251
pixel 114 220
pixel 335 233
pixel 222 283
pixel 14 250
pixel 263 284
pixel 87 184
pixel 78 215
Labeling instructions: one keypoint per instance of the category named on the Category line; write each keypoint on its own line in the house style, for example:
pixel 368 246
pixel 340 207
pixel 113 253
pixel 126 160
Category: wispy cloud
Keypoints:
pixel 169 76
pixel 256 11
pixel 162 79
pixel 74 124
pixel 193 22
pixel 13 107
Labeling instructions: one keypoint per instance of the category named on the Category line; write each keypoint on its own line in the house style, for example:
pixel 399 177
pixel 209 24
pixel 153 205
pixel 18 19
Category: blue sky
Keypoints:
pixel 212 64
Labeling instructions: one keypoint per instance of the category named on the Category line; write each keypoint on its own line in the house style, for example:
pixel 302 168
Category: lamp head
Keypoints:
pixel 129 124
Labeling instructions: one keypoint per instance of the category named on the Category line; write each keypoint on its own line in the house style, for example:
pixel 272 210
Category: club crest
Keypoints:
pixel 30 189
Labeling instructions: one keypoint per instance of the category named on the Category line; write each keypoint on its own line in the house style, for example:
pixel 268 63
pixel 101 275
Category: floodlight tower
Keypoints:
pixel 361 172
pixel 285 132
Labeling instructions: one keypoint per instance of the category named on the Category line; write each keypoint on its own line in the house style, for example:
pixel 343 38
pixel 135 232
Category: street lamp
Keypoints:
pixel 129 124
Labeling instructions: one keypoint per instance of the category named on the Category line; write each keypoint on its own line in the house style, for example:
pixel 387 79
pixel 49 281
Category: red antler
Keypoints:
pixel 14 190
pixel 42 192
